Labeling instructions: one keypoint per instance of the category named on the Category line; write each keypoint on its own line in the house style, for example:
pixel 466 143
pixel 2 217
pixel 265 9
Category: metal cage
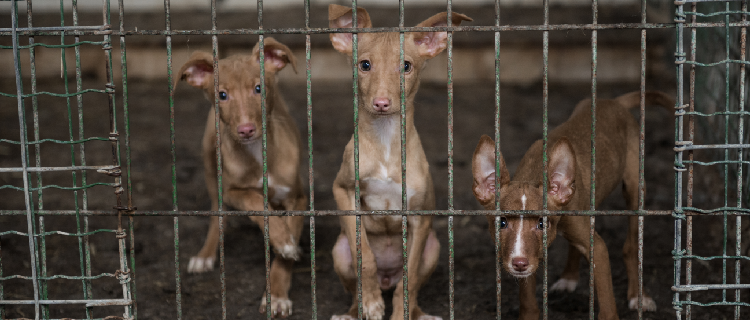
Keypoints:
pixel 691 17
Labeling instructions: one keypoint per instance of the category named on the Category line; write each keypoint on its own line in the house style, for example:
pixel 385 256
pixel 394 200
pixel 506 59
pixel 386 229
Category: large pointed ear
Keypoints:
pixel 432 43
pixel 276 55
pixel 561 170
pixel 341 17
pixel 483 168
pixel 198 71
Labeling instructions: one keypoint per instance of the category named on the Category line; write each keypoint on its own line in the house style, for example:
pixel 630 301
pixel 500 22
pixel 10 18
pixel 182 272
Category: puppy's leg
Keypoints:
pixel 630 249
pixel 428 262
pixel 577 233
pixel 281 267
pixel 204 260
pixel 569 278
pixel 345 264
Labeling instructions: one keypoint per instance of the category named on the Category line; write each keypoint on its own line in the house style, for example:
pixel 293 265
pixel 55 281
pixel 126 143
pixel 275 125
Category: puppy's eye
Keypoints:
pixel 257 89
pixel 365 65
pixel 223 95
pixel 503 223
pixel 540 225
pixel 407 66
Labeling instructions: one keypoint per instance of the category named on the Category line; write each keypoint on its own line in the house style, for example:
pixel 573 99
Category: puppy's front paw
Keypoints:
pixel 564 285
pixel 374 309
pixel 280 307
pixel 648 304
pixel 200 264
pixel 289 252
pixel 429 317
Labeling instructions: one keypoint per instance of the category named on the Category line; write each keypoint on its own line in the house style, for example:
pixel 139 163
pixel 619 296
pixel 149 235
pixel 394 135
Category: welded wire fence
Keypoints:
pixel 731 17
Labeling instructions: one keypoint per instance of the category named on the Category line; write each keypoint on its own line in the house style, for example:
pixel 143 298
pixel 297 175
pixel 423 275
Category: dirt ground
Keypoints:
pixel 154 246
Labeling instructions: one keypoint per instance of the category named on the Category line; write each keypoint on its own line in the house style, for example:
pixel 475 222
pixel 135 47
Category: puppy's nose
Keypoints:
pixel 520 264
pixel 246 130
pixel 381 104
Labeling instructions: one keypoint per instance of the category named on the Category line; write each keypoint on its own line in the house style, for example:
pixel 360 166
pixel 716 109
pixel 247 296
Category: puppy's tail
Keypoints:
pixel 633 100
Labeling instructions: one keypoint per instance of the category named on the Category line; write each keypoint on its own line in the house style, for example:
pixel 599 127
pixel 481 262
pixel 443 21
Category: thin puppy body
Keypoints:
pixel 380 168
pixel 241 156
pixel 569 172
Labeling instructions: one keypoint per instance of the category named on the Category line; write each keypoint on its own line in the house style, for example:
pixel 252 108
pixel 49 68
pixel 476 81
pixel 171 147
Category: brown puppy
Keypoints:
pixel 380 167
pixel 241 155
pixel 569 172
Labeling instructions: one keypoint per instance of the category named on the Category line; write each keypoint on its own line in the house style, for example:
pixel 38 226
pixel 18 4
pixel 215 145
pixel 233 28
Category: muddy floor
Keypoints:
pixel 155 248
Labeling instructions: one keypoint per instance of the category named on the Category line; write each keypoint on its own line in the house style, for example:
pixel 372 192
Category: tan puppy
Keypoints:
pixel 569 172
pixel 241 155
pixel 380 167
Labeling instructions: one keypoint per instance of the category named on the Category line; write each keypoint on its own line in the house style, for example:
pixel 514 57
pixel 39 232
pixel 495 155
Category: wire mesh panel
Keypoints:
pixel 710 139
pixel 36 290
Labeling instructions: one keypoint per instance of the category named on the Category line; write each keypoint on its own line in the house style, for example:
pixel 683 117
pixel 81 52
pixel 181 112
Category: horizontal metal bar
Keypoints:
pixel 551 27
pixel 703 287
pixel 88 303
pixel 46 169
pixel 103 27
pixel 351 213
pixel 690 146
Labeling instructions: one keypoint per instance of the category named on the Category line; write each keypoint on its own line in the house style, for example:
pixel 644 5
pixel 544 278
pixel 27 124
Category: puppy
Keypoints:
pixel 380 167
pixel 241 156
pixel 569 172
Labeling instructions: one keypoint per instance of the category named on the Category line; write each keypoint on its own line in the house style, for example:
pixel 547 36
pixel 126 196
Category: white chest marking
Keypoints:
pixel 385 128
pixel 384 194
pixel 256 150
pixel 518 245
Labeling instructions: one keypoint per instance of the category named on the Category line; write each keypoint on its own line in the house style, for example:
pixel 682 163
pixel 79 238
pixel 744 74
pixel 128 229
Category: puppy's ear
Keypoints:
pixel 561 170
pixel 341 17
pixel 432 43
pixel 198 71
pixel 275 54
pixel 483 168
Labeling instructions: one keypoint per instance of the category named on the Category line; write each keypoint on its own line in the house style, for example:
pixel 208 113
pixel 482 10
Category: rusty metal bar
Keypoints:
pixel 691 166
pixel 24 157
pixel 497 220
pixel 311 175
pixel 547 27
pixel 111 170
pixel 641 164
pixel 87 303
pixel 545 161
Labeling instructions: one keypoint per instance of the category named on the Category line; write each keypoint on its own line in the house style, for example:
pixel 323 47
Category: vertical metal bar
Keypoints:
pixel 219 166
pixel 498 258
pixel 725 215
pixel 123 274
pixel 264 139
pixel 594 63
pixel 311 175
pixel 41 244
pixel 22 139
pixel 679 215
pixel 690 172
pixel 126 120
pixel 402 102
pixel 83 241
pixel 641 161
pixel 64 75
pixel 357 200
pixel 545 180
pixel 451 203
pixel 172 147
pixel 740 139
pixel 2 287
